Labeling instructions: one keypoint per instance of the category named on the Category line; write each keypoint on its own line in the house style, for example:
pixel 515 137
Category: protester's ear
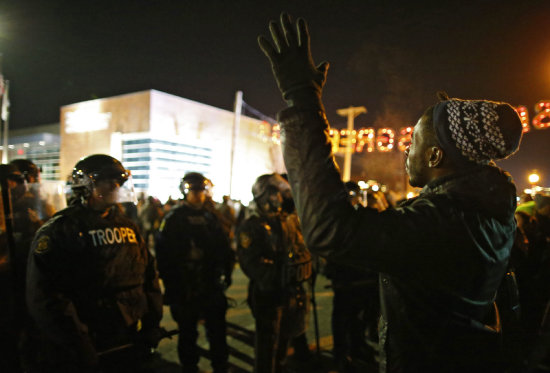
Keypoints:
pixel 435 156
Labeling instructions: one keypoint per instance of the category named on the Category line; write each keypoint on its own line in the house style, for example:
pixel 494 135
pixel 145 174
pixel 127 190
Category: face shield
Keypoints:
pixel 84 184
pixel 49 197
pixel 126 192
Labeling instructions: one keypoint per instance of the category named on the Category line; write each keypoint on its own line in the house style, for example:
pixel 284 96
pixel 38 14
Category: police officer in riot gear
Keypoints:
pixel 92 284
pixel 195 263
pixel 273 255
pixel 12 271
pixel 31 173
pixel 29 213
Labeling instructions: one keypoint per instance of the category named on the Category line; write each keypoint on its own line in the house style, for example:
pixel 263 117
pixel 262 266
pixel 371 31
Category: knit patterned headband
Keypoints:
pixel 476 131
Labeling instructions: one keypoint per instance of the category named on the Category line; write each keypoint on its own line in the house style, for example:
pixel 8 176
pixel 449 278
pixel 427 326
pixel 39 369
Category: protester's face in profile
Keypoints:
pixel 416 163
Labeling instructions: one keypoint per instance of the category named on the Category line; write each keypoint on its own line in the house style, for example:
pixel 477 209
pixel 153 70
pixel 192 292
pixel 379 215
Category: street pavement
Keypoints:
pixel 241 332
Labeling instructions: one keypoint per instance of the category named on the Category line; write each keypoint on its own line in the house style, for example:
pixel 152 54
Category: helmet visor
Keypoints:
pixel 112 173
pixel 126 192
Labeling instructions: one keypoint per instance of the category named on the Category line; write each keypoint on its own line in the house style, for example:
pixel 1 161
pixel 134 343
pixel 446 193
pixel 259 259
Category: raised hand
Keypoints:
pixel 290 57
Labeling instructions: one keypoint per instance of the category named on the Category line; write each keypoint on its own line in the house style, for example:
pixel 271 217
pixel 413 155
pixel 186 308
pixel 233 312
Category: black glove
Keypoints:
pixel 290 58
pixel 150 337
pixel 226 281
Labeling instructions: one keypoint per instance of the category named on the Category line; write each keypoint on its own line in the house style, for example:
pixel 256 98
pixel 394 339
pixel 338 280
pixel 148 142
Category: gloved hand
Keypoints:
pixel 290 58
pixel 226 281
pixel 150 337
pixel 87 355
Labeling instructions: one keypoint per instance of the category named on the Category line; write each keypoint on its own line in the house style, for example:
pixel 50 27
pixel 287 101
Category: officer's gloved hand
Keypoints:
pixel 150 337
pixel 226 281
pixel 87 355
pixel 291 61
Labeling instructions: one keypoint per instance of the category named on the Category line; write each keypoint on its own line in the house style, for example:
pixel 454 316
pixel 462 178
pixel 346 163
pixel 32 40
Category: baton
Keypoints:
pixel 164 334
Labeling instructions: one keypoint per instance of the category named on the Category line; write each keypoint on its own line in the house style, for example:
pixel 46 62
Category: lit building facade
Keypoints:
pixel 159 137
pixel 41 145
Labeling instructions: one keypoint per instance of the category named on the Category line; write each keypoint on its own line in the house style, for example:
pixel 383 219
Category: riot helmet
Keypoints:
pixel 28 169
pixel 195 181
pixel 92 169
pixel 268 192
pixel 354 192
pixel 353 188
pixel 10 172
pixel 13 179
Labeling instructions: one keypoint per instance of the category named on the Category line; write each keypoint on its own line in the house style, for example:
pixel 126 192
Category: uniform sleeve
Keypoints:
pixel 168 247
pixel 255 257
pixel 227 259
pixel 152 291
pixel 392 241
pixel 48 305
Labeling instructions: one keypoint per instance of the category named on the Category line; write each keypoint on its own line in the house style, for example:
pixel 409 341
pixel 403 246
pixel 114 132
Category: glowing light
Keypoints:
pixel 87 117
pixel 410 195
pixel 346 137
pixel 524 117
pixel 276 133
pixel 404 139
pixel 533 178
pixel 385 139
pixel 335 140
pixel 542 119
pixel 365 136
pixel 42 143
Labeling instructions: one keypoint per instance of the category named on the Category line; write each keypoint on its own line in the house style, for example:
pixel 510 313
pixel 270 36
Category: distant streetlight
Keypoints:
pixel 533 178
pixel 350 113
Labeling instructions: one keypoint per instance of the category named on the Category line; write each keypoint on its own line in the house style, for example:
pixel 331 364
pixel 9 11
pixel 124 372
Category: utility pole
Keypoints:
pixel 235 134
pixel 351 113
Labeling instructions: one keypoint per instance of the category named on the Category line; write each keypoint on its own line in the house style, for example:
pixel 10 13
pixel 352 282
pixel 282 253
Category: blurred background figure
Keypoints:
pixel 31 172
pixel 150 215
pixel 531 260
pixel 13 254
pixel 226 214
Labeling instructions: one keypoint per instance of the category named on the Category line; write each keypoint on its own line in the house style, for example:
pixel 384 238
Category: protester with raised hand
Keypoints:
pixel 441 255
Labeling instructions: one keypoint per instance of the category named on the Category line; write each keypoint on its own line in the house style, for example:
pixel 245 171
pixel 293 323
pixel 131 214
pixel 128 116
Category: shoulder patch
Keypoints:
pixel 244 240
pixel 42 245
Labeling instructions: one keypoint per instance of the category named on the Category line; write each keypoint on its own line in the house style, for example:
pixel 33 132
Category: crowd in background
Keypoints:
pixel 523 299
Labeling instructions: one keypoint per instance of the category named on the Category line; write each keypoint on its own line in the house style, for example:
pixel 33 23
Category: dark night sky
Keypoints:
pixel 386 55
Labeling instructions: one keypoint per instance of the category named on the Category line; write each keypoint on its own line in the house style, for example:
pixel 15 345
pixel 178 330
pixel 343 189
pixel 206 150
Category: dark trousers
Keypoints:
pixel 271 342
pixel 212 309
pixel 354 310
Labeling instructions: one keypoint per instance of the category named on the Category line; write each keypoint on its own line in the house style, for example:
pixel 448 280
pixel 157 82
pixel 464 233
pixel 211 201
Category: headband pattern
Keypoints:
pixel 474 128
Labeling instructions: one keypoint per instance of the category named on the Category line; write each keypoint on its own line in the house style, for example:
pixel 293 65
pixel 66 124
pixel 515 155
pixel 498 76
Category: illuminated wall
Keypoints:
pixel 156 133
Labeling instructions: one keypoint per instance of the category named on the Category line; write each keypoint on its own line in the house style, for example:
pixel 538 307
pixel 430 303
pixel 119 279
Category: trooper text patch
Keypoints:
pixel 110 236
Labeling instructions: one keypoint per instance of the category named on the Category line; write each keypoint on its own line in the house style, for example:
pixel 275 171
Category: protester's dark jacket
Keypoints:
pixel 193 253
pixel 91 280
pixel 441 255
